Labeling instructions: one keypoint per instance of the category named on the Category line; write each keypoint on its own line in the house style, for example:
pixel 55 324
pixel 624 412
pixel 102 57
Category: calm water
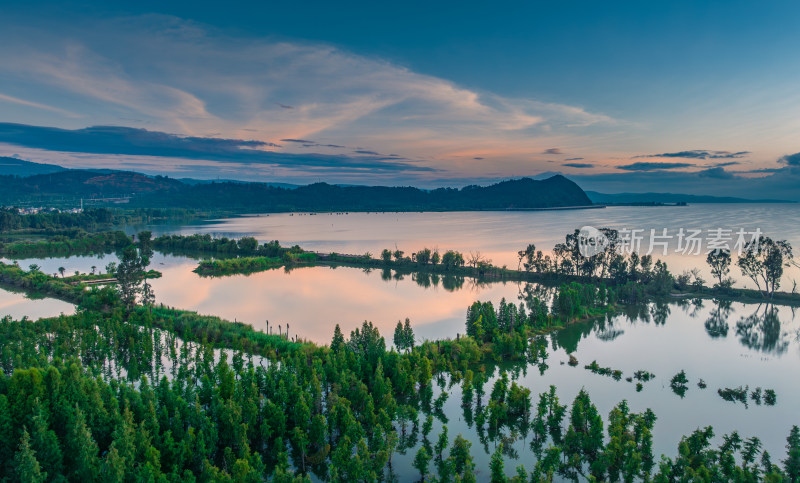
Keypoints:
pixel 751 353
pixel 19 305
pixel 499 235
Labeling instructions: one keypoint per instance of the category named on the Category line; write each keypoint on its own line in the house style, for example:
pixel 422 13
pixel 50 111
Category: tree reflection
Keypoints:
pixel 423 279
pixel 451 283
pixel 532 293
pixel 761 331
pixel 660 311
pixel 610 334
pixel 717 323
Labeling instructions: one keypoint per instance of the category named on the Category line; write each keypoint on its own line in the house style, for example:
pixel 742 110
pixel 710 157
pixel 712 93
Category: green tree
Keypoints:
pixel 497 467
pixel 408 334
pixel 82 450
pixel 459 452
pixel 763 262
pixel 399 336
pixel 720 262
pixel 337 344
pixel 7 440
pixel 791 465
pixel 452 259
pixel 441 444
pixel 26 466
pixel 45 442
pixel 421 461
pixel 129 276
pixel 145 255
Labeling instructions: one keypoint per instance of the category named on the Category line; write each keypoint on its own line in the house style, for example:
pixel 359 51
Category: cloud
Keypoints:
pixel 573 159
pixel 552 151
pixel 579 165
pixel 716 173
pixel 727 163
pixel 38 105
pixel 790 159
pixel 698 154
pixel 478 158
pixel 116 140
pixel 761 170
pixel 643 166
pixel 300 141
pixel 181 77
pixel 364 151
pixel 311 144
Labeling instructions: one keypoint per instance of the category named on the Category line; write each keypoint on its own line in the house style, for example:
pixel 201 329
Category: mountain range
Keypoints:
pixel 59 185
pixel 25 182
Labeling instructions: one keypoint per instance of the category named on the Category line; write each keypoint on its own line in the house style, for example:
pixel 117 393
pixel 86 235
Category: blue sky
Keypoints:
pixel 624 96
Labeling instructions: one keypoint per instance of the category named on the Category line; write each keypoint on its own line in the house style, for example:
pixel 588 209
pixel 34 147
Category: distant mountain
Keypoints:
pixel 524 193
pixel 19 167
pixel 83 184
pixel 605 198
pixel 194 181
pixel 157 191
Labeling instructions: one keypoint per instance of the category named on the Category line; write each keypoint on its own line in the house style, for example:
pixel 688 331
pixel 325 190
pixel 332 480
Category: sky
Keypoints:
pixel 680 96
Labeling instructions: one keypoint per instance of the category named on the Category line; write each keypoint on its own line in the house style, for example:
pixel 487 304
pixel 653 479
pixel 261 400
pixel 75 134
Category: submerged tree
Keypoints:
pixel 421 461
pixel 792 462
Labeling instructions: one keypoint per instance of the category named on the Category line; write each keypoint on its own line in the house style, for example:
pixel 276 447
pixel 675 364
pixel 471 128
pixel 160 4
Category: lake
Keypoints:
pixel 500 235
pixel 737 348
pixel 739 345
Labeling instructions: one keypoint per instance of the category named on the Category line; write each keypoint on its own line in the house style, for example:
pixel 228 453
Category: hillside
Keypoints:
pixel 517 194
pixel 146 191
pixel 19 167
pixel 82 184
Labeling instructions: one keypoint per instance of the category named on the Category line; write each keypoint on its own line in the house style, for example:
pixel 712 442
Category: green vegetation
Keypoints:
pixel 129 390
pixel 90 219
pixel 763 262
pixel 155 393
pixel 206 244
pixel 628 279
pixel 404 336
pixel 739 394
pixel 594 367
pixel 734 394
pixel 79 243
pixel 230 266
pixel 679 383
pixel 233 256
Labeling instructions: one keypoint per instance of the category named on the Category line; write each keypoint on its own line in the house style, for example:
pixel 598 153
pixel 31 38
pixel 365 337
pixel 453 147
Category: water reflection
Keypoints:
pixel 500 235
pixel 761 331
pixel 717 323
pixel 18 305
pixel 660 339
